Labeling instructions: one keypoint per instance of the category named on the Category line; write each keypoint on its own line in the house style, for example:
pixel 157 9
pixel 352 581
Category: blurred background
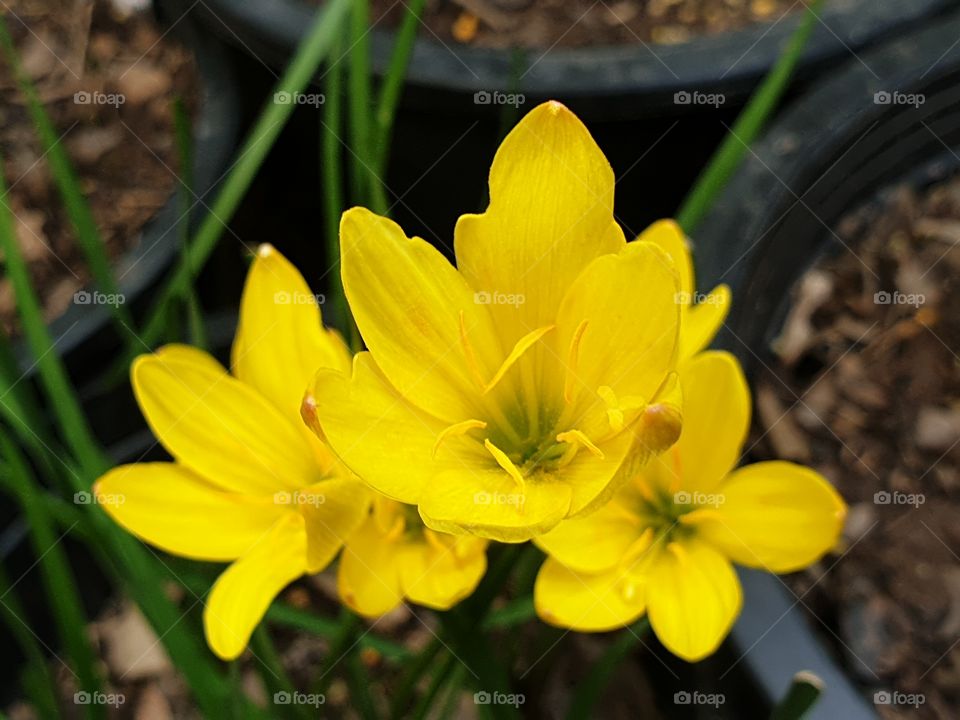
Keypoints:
pixel 809 151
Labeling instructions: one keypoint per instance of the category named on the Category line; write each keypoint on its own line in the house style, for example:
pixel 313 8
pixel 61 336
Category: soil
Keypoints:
pixel 108 80
pixel 867 390
pixel 577 23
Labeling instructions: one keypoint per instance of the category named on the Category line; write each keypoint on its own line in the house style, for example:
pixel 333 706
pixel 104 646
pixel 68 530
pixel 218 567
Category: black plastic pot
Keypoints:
pixel 838 148
pixel 86 337
pixel 444 140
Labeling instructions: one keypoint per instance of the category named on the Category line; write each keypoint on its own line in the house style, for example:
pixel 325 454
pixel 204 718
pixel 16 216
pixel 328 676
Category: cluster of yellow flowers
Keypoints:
pixel 553 387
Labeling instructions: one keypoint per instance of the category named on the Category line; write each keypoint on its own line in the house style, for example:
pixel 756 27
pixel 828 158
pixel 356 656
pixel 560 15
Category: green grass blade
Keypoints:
pixel 314 48
pixel 44 690
pixel 296 619
pixel 274 676
pixel 184 137
pixel 58 580
pixel 68 184
pixel 591 689
pixel 392 86
pixel 747 128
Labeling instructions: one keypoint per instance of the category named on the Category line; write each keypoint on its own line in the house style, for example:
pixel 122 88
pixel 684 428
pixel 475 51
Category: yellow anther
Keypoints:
pixel 695 517
pixel 616 408
pixel 577 437
pixel 523 344
pixel 460 428
pixel 679 552
pixel 573 357
pixel 506 463
pixel 469 354
pixel 433 540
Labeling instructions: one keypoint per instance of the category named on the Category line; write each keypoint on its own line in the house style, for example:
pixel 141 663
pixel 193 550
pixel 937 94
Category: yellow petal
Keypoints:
pixel 408 300
pixel 693 598
pixel 280 340
pixel 488 502
pixel 778 516
pixel 384 439
pixel 368 578
pixel 333 510
pixel 176 510
pixel 716 419
pixel 550 214
pixel 701 322
pixel 668 235
pixel 630 339
pixel 244 591
pixel 440 575
pixel 220 427
pixel 586 602
pixel 592 479
pixel 595 542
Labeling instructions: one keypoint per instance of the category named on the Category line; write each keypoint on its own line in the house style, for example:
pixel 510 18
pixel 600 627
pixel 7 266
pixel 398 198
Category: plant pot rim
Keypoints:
pixel 215 129
pixel 590 72
pixel 814 162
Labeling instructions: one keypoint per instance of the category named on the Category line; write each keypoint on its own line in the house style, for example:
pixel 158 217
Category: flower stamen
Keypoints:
pixel 573 356
pixel 577 439
pixel 523 344
pixel 460 428
pixel 505 462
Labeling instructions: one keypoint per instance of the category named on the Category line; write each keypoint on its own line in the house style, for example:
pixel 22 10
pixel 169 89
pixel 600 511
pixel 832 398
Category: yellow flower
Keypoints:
pixel 664 545
pixel 392 556
pixel 700 320
pixel 250 484
pixel 524 385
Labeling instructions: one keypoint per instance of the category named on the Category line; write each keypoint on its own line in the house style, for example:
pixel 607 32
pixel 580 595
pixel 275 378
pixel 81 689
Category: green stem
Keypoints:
pixel 439 679
pixel 404 690
pixel 803 694
pixel 591 689
pixel 272 671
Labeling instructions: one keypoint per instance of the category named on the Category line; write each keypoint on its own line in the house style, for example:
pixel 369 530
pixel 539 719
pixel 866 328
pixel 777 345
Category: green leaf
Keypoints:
pixel 591 689
pixel 747 128
pixel 314 48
